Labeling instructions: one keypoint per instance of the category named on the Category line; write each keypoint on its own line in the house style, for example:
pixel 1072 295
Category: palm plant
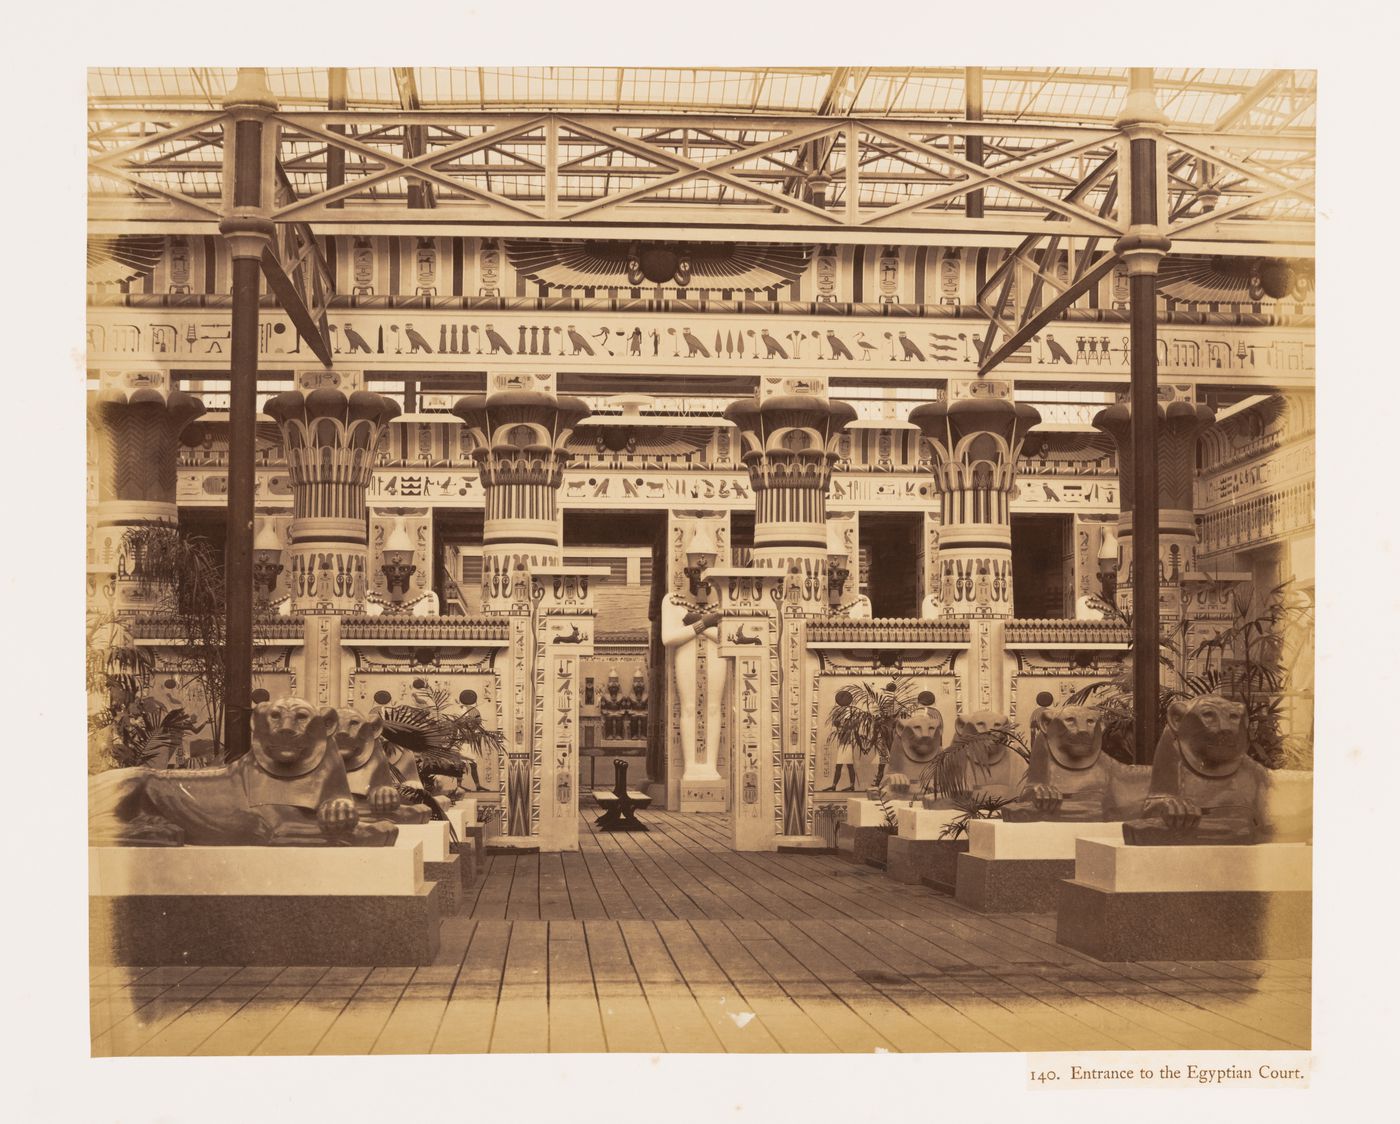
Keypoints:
pixel 946 774
pixel 864 717
pixel 982 807
pixel 186 577
pixel 129 730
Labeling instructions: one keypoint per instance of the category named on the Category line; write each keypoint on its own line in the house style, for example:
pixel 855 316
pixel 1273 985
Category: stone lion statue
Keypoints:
pixel 291 790
pixel 1205 787
pixel 373 782
pixel 1070 779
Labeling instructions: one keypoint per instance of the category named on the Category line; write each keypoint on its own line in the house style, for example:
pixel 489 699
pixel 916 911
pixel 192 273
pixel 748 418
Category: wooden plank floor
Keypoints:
pixel 671 941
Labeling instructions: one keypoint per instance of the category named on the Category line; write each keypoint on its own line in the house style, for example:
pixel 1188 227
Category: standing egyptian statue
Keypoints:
pixel 637 707
pixel 690 629
pixel 1205 788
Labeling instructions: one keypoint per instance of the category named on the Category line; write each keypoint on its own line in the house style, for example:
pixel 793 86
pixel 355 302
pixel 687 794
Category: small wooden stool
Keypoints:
pixel 621 804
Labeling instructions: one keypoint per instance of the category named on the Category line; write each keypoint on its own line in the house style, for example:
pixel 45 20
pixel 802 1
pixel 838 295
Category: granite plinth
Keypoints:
pixel 1188 903
pixel 1184 924
pixel 928 862
pixel 1011 885
pixel 261 906
pixel 863 845
pixel 265 929
pixel 1018 867
pixel 440 863
pixel 472 838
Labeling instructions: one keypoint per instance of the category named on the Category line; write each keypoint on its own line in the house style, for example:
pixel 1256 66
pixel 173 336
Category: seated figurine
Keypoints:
pixel 374 784
pixel 1071 779
pixel 918 738
pixel 291 790
pixel 1205 788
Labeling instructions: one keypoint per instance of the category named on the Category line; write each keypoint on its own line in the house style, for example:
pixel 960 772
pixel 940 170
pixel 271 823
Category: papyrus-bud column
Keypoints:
pixel 789 444
pixel 520 438
pixel 976 443
pixel 1179 426
pixel 137 432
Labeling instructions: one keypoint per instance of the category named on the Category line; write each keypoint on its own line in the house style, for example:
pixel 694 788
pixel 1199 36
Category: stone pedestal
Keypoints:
pixel 440 863
pixel 924 862
pixel 1188 903
pixel 1019 867
pixel 261 906
pixel 703 796
pixel 921 854
pixel 863 845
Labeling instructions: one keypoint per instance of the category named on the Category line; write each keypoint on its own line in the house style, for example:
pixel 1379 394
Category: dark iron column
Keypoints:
pixel 1142 250
pixel 250 154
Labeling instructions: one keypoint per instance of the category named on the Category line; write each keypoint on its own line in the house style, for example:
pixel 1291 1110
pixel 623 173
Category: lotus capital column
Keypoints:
pixel 1179 426
pixel 331 439
pixel 520 437
pixel 137 423
pixel 976 442
pixel 789 448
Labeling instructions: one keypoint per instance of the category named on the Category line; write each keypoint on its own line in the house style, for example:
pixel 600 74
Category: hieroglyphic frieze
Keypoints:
pixel 430 339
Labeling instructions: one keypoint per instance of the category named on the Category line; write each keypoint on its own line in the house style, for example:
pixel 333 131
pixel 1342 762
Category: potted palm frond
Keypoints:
pixel 863 721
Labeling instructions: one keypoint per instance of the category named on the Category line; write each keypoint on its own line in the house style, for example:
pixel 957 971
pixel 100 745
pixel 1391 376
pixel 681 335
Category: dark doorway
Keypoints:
pixel 207 523
pixel 457 560
pixel 889 560
pixel 1042 566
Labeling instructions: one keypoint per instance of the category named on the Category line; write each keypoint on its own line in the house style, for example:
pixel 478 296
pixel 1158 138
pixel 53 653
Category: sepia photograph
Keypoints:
pixel 610 578
pixel 808 559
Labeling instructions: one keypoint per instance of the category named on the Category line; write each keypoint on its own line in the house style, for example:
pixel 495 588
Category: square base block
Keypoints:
pixel 1185 925
pixel 433 835
pixel 1261 868
pixel 864 845
pixel 462 815
pixel 864 812
pixel 274 929
pixel 924 823
pixel 928 862
pixel 472 838
pixel 993 839
pixel 1011 885
pixel 704 796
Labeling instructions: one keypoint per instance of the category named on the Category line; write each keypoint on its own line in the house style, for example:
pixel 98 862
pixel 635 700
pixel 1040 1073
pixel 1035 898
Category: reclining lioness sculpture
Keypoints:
pixel 1205 787
pixel 290 791
pixel 373 783
pixel 1071 779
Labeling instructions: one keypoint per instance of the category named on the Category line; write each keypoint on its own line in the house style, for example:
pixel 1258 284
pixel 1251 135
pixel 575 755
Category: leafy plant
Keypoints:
pixel 864 716
pixel 186 577
pixel 1251 661
pixel 946 774
pixel 973 808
